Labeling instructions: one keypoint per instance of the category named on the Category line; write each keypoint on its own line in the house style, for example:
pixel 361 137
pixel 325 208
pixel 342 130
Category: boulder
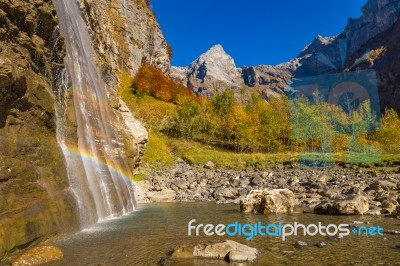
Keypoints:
pixel 300 244
pixel 323 179
pixel 268 201
pixel 228 250
pixel 227 193
pixel 209 165
pixel 382 185
pixel 350 205
pixel 166 195
pixel 181 183
pixel 255 181
pixel 294 180
pixel 374 211
pixel 389 206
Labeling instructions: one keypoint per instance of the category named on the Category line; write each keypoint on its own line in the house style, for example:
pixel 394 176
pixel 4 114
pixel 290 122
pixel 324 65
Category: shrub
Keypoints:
pixel 151 81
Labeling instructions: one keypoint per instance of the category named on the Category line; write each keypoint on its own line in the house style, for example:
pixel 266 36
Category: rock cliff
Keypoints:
pixel 376 29
pixel 125 33
pixel 35 197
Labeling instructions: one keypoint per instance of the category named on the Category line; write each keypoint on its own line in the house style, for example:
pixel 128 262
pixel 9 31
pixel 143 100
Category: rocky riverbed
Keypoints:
pixel 368 191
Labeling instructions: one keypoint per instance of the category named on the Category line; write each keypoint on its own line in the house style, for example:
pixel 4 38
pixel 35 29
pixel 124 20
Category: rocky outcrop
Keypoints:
pixel 325 54
pixel 268 201
pixel 34 197
pixel 138 136
pixel 270 81
pixel 377 17
pixel 349 205
pixel 214 71
pixel 125 33
pixel 228 250
pixel 376 30
pixel 386 65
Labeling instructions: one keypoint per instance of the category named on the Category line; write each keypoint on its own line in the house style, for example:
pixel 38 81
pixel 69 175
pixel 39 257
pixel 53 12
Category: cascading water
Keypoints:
pixel 98 173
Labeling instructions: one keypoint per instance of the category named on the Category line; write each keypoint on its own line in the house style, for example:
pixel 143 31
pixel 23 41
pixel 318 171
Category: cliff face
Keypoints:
pixel 387 65
pixel 376 29
pixel 377 17
pixel 34 197
pixel 269 80
pixel 125 33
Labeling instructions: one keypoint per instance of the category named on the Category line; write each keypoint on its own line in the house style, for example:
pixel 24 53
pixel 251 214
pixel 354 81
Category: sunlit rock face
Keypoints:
pixel 212 72
pixel 376 29
pixel 215 64
pixel 34 196
pixel 215 71
pixel 125 33
pixel 377 17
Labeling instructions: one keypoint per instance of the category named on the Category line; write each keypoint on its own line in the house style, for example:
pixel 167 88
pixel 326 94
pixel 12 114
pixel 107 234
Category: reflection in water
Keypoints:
pixel 143 237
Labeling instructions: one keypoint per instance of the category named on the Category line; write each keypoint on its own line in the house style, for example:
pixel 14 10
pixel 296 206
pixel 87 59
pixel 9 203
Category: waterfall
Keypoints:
pixel 98 174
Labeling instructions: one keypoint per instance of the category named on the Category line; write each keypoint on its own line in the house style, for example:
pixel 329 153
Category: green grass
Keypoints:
pixel 199 154
pixel 164 150
pixel 157 152
pixel 139 177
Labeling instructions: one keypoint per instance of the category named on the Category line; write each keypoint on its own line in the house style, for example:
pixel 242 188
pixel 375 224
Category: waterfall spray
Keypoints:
pixel 98 174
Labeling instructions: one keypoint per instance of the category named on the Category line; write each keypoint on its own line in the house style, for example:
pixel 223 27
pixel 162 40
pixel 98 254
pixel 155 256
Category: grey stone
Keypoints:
pixel 209 165
pixel 227 193
pixel 300 244
pixel 349 205
pixel 166 195
pixel 181 183
pixel 268 201
pixel 255 181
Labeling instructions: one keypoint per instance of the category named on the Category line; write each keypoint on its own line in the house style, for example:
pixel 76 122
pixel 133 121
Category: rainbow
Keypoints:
pixel 89 156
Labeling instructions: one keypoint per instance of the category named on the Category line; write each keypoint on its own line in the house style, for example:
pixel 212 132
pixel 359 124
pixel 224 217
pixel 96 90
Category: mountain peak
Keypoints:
pixel 216 48
pixel 216 52
pixel 216 63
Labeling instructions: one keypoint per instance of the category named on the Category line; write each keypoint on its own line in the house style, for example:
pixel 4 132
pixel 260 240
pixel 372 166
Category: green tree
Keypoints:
pixel 189 118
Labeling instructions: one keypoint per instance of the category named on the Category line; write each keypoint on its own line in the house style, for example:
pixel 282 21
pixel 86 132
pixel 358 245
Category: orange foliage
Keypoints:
pixel 151 81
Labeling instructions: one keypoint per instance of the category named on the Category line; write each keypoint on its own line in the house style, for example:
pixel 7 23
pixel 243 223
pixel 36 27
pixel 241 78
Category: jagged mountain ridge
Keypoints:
pixel 367 32
pixel 215 71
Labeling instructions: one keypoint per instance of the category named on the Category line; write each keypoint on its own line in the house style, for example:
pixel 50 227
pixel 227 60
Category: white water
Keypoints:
pixel 97 172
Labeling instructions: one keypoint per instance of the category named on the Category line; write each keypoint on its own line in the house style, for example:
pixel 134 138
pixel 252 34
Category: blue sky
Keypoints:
pixel 253 32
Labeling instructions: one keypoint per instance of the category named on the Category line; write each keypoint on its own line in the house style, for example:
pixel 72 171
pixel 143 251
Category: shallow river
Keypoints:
pixel 145 236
